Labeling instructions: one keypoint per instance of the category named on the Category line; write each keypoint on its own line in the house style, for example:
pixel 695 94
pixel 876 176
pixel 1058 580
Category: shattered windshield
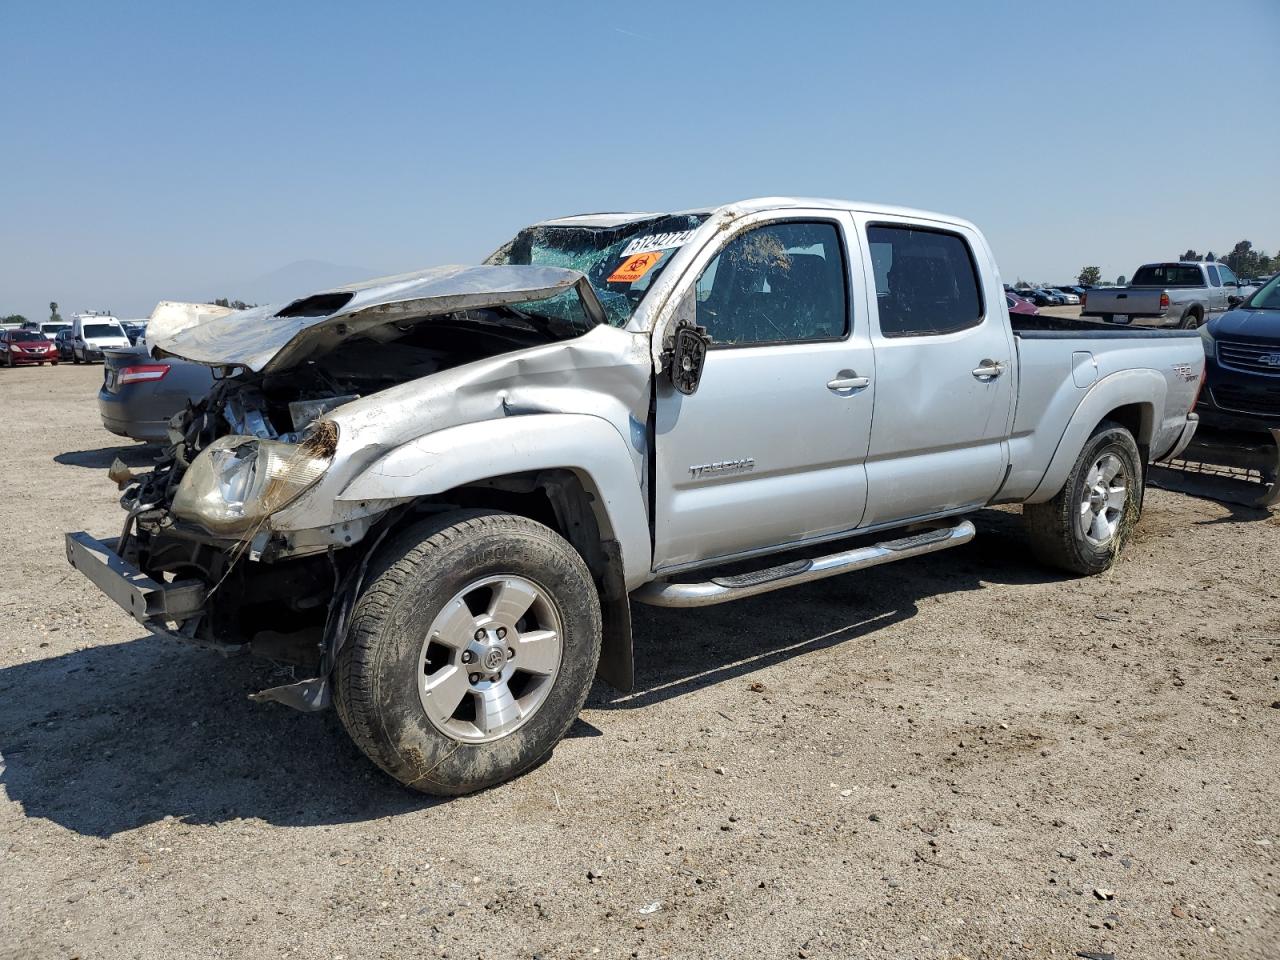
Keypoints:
pixel 621 262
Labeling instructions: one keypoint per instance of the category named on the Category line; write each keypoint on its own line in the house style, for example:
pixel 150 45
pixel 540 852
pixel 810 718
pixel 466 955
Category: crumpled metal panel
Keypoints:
pixel 260 340
pixel 606 373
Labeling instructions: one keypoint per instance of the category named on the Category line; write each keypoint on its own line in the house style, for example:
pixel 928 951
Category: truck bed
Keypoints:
pixel 1059 362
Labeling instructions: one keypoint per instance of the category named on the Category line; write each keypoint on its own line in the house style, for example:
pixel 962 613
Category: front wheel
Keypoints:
pixel 471 652
pixel 1084 526
pixel 75 358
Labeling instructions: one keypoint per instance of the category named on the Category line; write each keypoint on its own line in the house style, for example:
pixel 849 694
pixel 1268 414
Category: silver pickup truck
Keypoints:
pixel 439 493
pixel 1183 294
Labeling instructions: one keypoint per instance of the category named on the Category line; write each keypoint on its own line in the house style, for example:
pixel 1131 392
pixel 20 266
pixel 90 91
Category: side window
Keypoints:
pixel 1228 278
pixel 780 283
pixel 1213 277
pixel 926 281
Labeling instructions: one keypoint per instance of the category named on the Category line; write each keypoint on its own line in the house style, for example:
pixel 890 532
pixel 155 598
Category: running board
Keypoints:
pixel 663 593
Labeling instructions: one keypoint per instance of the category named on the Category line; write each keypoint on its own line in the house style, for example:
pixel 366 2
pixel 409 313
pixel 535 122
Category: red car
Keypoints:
pixel 1018 305
pixel 26 346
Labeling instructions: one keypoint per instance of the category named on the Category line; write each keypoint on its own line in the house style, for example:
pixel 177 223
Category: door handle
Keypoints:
pixel 847 381
pixel 988 369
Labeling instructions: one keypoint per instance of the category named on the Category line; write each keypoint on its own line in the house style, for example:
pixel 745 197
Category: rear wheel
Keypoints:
pixel 1190 321
pixel 470 653
pixel 1083 528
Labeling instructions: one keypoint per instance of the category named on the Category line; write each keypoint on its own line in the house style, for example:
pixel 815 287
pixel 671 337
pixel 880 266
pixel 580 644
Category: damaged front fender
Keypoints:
pixel 588 446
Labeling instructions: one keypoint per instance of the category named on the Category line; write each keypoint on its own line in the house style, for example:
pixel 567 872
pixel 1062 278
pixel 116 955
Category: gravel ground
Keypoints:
pixel 961 756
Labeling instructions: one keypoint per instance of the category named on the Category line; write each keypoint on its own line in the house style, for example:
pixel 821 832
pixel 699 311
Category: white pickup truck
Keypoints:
pixel 439 493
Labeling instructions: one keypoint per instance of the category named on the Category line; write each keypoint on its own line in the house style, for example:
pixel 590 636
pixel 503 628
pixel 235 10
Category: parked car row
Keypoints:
pixel 1066 296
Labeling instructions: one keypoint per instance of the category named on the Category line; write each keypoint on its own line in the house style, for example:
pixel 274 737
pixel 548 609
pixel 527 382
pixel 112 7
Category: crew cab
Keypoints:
pixel 1183 294
pixel 439 493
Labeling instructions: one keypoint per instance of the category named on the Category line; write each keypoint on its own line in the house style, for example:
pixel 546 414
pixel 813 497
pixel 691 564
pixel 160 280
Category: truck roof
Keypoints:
pixel 753 205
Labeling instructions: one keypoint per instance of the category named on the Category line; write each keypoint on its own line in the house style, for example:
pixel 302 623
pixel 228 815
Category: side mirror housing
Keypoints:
pixel 685 354
pixel 1234 301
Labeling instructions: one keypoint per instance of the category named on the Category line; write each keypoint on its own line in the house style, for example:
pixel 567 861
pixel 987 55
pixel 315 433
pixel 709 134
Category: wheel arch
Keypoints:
pixel 571 472
pixel 1130 398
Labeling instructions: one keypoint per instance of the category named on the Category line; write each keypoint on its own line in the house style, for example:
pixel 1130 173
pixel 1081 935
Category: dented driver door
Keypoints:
pixel 770 448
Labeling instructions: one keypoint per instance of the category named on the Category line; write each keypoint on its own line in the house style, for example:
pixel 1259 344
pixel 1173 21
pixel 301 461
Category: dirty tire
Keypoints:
pixel 408 584
pixel 1054 527
pixel 1191 321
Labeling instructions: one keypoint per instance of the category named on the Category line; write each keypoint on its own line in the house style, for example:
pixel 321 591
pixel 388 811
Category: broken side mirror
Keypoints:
pixel 685 354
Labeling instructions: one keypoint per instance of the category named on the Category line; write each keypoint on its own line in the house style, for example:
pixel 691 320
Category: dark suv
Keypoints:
pixel 1242 371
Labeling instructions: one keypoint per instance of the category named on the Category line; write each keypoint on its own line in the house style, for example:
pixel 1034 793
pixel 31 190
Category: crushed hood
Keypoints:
pixel 274 337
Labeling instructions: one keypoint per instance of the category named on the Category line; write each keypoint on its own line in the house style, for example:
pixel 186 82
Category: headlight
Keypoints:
pixel 237 482
pixel 1210 345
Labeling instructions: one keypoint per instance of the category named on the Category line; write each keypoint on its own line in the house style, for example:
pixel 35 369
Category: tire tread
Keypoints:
pixel 356 695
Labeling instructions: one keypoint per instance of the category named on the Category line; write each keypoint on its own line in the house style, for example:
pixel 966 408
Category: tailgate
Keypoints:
pixel 1131 302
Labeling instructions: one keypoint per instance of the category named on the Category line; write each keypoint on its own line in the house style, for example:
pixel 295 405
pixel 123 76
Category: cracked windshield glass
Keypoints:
pixel 621 262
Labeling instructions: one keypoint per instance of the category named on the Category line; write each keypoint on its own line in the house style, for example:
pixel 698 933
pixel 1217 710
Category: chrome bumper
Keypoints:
pixel 152 603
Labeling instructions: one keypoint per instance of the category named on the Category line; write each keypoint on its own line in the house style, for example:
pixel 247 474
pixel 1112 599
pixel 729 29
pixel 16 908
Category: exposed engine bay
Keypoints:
pixel 274 423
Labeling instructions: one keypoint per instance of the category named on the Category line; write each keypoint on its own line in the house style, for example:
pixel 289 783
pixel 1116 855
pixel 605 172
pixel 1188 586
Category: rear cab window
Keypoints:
pixel 926 281
pixel 1167 275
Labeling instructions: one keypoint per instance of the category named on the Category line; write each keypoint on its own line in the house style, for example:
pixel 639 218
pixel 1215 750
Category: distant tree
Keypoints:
pixel 53 311
pixel 233 304
pixel 1190 255
pixel 1120 280
pixel 14 318
pixel 1245 261
pixel 1089 277
pixel 1210 258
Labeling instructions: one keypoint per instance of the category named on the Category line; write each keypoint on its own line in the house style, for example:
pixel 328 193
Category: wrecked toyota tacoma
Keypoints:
pixel 436 495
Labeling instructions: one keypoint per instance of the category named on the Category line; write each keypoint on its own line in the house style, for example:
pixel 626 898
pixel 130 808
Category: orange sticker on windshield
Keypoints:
pixel 635 267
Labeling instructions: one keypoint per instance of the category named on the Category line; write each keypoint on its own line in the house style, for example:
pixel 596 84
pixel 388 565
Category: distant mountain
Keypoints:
pixel 293 280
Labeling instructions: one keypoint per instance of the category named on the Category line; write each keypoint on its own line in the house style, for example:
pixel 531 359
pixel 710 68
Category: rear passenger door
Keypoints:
pixel 944 370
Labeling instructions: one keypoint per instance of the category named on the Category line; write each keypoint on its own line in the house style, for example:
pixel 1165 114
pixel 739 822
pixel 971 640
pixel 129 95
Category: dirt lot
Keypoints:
pixel 959 756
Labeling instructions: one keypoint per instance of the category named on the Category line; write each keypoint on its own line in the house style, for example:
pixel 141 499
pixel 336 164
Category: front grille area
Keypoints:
pixel 1258 401
pixel 1254 357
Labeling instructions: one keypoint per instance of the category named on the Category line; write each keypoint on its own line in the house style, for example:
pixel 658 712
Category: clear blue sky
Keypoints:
pixel 169 150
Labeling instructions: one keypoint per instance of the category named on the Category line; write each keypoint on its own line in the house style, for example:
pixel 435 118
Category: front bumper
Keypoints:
pixel 152 603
